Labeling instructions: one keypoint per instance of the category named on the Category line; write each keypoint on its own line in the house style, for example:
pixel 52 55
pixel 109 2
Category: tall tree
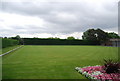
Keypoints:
pixel 101 35
pixel 98 35
pixel 70 38
pixel 113 35
pixel 19 39
pixel 90 34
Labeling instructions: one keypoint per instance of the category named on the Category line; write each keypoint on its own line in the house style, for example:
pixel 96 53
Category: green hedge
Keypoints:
pixel 37 41
pixel 9 42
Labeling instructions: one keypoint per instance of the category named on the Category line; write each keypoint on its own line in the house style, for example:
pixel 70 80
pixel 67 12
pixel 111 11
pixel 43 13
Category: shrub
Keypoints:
pixel 9 42
pixel 111 67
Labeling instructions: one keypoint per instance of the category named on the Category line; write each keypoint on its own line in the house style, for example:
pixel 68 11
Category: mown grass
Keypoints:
pixel 53 62
pixel 4 50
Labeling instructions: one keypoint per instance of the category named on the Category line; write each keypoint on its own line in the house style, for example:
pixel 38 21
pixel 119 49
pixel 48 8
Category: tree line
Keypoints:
pixel 6 42
pixel 89 37
pixel 38 41
pixel 99 35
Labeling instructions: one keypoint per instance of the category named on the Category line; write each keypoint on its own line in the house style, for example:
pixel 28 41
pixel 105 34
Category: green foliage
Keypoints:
pixel 38 41
pixel 90 34
pixel 21 42
pixel 53 38
pixel 70 38
pixel 6 42
pixel 98 35
pixel 113 35
pixel 101 35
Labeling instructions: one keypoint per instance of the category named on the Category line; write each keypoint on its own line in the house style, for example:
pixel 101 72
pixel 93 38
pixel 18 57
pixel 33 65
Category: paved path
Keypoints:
pixel 11 50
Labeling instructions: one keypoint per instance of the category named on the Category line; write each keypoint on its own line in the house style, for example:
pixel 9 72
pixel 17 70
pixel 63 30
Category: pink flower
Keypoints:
pixel 99 73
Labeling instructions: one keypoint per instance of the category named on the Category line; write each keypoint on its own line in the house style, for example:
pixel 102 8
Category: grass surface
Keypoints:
pixel 53 62
pixel 4 50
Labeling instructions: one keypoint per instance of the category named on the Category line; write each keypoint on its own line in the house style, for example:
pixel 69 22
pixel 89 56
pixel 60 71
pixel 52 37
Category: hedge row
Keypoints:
pixel 9 42
pixel 37 41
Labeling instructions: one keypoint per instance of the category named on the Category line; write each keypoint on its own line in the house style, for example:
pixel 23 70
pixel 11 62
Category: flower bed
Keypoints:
pixel 98 73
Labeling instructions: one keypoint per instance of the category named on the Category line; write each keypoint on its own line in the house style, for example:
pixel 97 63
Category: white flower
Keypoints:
pixel 77 68
pixel 84 73
pixel 80 71
pixel 96 73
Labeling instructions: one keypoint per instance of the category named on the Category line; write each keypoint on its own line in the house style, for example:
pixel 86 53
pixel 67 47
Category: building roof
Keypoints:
pixel 114 39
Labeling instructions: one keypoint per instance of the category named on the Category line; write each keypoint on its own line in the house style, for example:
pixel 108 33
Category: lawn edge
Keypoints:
pixel 11 50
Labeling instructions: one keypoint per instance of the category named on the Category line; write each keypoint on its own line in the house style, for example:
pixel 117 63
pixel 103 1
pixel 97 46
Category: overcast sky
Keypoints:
pixel 53 18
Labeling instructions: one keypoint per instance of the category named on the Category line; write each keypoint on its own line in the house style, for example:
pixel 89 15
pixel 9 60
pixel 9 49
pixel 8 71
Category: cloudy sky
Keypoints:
pixel 56 18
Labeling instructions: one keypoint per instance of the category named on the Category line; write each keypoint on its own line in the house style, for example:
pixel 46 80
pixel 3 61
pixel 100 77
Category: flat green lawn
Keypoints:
pixel 8 49
pixel 53 62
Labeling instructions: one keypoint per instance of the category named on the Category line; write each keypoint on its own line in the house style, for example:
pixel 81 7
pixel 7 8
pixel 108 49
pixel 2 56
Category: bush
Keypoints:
pixel 111 67
pixel 9 42
pixel 38 41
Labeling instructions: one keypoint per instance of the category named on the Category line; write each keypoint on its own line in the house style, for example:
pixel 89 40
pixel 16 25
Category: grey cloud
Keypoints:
pixel 86 15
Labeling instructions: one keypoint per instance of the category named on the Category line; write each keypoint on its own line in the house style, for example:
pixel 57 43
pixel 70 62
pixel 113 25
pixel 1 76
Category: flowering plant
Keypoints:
pixel 111 67
pixel 98 73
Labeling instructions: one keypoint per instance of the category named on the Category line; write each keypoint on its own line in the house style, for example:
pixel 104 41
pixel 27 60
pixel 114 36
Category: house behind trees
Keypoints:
pixel 112 42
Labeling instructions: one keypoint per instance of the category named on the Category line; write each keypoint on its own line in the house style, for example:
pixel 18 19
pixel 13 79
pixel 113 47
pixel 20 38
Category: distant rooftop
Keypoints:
pixel 114 39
